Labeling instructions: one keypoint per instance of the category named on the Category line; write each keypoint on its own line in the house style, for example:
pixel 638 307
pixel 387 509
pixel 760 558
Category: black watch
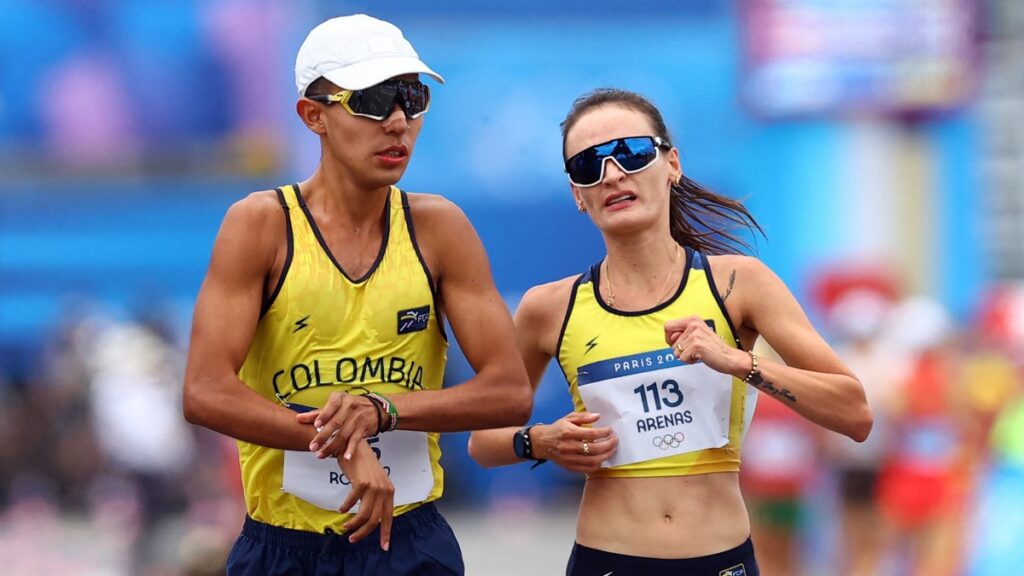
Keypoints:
pixel 523 447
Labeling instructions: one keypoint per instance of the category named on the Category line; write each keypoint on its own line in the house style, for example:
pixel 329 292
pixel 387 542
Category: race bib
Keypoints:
pixel 403 454
pixel 657 405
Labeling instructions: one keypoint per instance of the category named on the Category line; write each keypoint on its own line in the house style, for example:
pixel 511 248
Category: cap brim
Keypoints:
pixel 370 72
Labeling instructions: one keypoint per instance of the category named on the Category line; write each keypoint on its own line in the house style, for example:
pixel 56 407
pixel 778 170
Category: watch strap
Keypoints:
pixel 528 454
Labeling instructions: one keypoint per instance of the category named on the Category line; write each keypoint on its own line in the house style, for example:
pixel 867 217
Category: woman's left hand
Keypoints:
pixel 573 444
pixel 692 340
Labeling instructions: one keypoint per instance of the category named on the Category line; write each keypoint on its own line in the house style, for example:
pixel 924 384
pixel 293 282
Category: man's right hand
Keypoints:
pixel 343 423
pixel 372 488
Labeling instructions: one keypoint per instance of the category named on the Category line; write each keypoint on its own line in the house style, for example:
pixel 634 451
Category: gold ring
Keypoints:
pixel 586 448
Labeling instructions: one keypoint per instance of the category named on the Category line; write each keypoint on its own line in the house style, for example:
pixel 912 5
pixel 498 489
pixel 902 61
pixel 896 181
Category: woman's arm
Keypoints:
pixel 813 380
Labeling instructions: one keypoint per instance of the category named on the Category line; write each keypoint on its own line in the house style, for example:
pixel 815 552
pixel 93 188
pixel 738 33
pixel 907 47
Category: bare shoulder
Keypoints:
pixel 435 213
pixel 260 207
pixel 744 284
pixel 728 269
pixel 734 261
pixel 253 230
pixel 446 238
pixel 753 293
pixel 543 307
pixel 548 297
pixel 256 214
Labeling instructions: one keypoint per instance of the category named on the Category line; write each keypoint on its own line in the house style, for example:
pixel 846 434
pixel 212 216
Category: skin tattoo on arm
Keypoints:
pixel 769 388
pixel 732 282
pixel 766 386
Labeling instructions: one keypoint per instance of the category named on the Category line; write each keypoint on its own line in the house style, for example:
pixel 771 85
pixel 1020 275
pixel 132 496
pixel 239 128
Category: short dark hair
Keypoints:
pixel 321 87
pixel 698 218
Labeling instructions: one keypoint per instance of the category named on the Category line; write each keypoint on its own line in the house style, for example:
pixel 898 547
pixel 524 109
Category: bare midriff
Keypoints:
pixel 664 517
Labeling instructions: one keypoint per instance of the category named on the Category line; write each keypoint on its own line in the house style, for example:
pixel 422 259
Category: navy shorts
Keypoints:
pixel 422 543
pixel 590 562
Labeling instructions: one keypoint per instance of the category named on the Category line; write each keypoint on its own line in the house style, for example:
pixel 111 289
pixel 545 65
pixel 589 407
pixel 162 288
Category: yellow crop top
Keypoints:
pixel 599 344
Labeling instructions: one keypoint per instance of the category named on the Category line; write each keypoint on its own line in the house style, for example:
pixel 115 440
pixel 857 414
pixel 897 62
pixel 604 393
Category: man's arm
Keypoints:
pixel 226 312
pixel 499 394
pixel 538 322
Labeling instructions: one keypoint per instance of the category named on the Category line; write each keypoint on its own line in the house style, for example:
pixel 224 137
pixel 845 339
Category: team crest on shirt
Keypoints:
pixel 413 319
pixel 737 570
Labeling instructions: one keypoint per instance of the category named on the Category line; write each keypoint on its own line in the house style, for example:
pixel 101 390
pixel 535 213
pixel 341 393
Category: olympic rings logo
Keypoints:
pixel 668 440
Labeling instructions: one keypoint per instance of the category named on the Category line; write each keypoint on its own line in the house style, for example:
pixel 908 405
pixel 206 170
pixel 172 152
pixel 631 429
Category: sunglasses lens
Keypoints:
pixel 584 168
pixel 632 154
pixel 378 101
pixel 415 97
pixel 635 153
pixel 375 101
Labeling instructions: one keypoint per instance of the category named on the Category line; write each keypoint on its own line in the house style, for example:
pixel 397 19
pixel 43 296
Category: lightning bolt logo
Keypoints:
pixel 591 344
pixel 301 323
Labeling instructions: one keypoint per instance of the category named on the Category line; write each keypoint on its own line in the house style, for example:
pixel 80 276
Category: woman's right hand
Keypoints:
pixel 572 444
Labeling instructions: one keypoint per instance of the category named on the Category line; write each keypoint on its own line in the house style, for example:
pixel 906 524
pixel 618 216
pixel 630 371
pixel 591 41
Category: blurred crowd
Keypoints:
pixel 93 448
pixel 95 454
pixel 126 63
pixel 931 489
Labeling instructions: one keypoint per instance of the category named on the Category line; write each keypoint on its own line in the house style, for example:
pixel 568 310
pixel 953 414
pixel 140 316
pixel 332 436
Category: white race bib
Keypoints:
pixel 657 405
pixel 403 454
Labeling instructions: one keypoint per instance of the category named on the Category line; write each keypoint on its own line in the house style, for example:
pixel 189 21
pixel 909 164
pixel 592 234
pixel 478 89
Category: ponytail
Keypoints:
pixel 707 222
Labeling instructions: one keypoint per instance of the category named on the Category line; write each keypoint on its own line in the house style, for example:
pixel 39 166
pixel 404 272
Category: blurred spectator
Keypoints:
pixel 780 462
pixel 857 319
pixel 92 126
pixel 136 401
pixel 243 37
pixel 1008 433
pixel 996 526
pixel 918 484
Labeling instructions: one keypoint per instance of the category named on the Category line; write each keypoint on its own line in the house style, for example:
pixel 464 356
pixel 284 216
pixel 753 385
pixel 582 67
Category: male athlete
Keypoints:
pixel 318 340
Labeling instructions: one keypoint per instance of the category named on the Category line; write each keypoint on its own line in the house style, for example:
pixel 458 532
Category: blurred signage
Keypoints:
pixel 814 57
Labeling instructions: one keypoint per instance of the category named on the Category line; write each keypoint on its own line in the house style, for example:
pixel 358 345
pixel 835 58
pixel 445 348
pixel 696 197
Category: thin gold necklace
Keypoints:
pixel 661 293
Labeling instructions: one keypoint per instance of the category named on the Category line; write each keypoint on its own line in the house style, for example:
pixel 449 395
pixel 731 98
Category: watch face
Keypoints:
pixel 519 445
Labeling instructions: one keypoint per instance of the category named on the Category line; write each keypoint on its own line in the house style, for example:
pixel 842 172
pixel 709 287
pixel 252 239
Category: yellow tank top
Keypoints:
pixel 598 343
pixel 322 331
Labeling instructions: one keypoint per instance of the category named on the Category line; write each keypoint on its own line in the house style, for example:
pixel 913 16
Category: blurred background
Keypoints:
pixel 880 143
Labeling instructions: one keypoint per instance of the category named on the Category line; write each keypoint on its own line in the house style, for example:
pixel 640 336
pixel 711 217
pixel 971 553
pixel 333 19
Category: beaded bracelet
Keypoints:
pixel 754 376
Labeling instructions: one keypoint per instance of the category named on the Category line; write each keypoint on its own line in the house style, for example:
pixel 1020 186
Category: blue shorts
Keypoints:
pixel 422 543
pixel 590 562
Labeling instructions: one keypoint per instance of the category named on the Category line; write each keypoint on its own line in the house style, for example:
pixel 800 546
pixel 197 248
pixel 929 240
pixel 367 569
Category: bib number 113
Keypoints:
pixel 668 395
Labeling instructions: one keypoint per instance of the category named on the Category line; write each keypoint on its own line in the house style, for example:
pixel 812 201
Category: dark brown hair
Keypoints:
pixel 698 218
pixel 320 87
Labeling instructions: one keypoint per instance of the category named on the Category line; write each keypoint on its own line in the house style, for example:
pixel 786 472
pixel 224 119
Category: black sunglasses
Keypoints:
pixel 631 155
pixel 378 101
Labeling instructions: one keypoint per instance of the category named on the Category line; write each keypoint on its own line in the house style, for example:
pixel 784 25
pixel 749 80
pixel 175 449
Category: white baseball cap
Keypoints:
pixel 356 52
